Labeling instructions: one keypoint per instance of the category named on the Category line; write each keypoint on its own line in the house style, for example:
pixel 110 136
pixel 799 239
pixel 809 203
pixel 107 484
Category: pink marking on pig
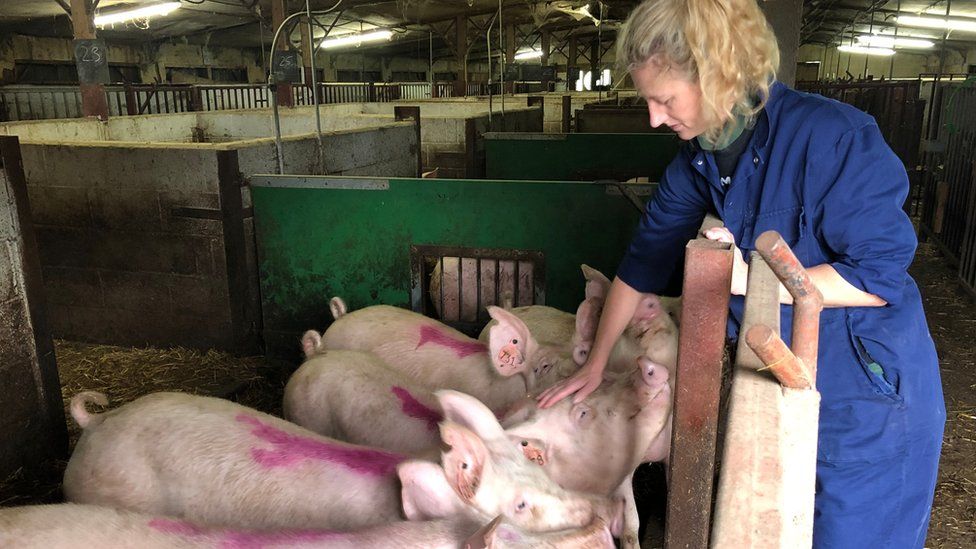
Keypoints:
pixel 289 449
pixel 178 527
pixel 430 334
pixel 258 540
pixel 416 409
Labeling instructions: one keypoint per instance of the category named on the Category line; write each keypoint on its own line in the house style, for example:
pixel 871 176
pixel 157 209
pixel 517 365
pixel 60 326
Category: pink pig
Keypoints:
pixel 222 464
pixel 440 357
pixel 354 396
pixel 594 446
pixel 71 525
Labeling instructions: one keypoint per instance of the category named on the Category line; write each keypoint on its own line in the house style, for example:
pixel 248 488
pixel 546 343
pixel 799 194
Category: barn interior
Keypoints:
pixel 187 184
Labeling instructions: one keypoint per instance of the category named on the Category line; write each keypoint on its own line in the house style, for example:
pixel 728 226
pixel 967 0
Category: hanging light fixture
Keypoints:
pixel 145 12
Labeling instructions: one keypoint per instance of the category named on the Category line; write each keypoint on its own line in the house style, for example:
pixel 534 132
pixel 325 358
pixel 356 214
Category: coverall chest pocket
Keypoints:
pixel 788 222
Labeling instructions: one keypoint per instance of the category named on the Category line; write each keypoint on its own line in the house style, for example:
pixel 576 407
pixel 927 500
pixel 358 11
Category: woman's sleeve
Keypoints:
pixel 670 219
pixel 864 226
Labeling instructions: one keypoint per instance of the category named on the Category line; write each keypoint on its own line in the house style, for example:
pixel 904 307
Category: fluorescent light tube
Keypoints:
pixel 138 13
pixel 881 41
pixel 866 50
pixel 967 25
pixel 357 39
pixel 529 54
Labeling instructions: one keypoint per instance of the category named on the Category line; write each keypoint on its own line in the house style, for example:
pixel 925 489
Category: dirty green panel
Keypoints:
pixel 316 242
pixel 578 156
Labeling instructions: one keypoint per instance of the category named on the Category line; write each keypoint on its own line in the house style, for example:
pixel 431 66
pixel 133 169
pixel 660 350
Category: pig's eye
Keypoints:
pixel 521 506
pixel 525 443
pixel 514 342
pixel 464 465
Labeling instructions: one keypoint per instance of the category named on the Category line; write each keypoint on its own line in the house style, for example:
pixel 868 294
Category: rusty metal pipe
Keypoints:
pixel 807 299
pixel 788 369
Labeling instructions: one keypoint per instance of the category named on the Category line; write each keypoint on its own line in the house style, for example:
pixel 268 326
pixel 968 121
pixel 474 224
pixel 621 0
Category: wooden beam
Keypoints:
pixel 93 100
pixel 461 51
pixel 65 7
pixel 284 90
pixel 307 52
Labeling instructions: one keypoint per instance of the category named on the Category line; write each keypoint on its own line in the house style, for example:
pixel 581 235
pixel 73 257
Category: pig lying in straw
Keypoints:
pixel 71 525
pixel 222 464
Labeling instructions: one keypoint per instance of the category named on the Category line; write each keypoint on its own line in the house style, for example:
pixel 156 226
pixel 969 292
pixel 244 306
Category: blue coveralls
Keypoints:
pixel 820 173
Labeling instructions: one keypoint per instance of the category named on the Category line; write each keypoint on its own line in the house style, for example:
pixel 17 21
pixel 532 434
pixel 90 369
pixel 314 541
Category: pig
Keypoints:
pixel 71 525
pixel 651 332
pixel 442 358
pixel 355 397
pixel 594 446
pixel 455 281
pixel 225 465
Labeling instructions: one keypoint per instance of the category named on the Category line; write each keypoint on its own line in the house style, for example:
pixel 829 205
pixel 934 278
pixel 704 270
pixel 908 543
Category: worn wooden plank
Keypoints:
pixel 766 486
pixel 705 305
pixel 32 425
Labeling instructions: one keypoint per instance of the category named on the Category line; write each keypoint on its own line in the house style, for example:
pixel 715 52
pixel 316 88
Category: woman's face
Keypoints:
pixel 671 99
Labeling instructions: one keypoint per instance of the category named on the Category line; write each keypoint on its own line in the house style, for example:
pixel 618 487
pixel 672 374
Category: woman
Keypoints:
pixel 762 156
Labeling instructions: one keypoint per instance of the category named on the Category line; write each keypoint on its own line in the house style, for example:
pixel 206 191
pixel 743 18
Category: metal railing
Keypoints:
pixel 21 102
pixel 948 212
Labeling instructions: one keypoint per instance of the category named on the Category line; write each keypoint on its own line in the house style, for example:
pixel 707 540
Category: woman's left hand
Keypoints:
pixel 740 270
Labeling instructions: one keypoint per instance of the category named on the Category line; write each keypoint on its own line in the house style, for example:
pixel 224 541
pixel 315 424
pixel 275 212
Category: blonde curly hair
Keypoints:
pixel 726 46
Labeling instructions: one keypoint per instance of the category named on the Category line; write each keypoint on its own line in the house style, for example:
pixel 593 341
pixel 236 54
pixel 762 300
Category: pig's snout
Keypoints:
pixel 652 373
pixel 653 379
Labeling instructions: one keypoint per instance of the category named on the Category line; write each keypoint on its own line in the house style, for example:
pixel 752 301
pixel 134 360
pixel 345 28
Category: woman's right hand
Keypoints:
pixel 582 383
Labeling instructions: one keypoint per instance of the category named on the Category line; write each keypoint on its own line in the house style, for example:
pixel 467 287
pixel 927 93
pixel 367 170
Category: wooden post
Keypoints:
pixel 307 52
pixel 285 97
pixel 571 61
pixel 461 46
pixel 767 483
pixel 594 62
pixel 546 36
pixel 33 427
pixel 93 100
pixel 701 344
pixel 509 53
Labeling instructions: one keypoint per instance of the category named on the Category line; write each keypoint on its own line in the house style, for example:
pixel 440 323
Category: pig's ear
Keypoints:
pixel 484 537
pixel 426 493
pixel 471 413
pixel 648 309
pixel 587 320
pixel 464 463
pixel 597 285
pixel 311 342
pixel 508 342
pixel 337 307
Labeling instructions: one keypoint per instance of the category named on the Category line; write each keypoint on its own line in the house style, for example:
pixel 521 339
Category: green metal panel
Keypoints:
pixel 318 237
pixel 578 156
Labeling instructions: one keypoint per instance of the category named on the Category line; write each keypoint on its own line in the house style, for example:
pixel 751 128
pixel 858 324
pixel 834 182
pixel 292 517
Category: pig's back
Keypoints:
pixel 226 465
